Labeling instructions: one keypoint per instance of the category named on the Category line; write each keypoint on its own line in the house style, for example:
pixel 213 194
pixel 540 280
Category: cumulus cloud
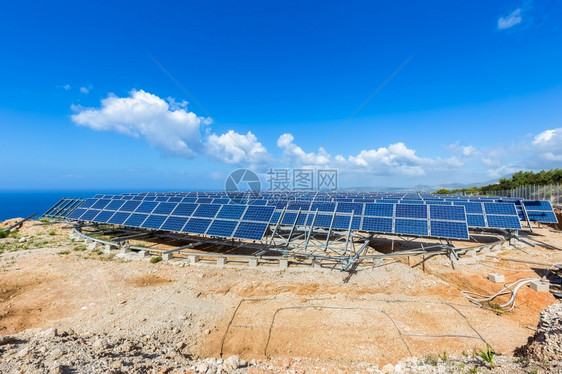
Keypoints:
pixel 292 153
pixel 548 144
pixel 174 131
pixel 510 20
pixel 234 148
pixel 84 90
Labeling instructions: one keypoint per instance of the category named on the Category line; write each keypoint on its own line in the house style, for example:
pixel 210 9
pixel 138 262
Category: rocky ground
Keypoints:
pixel 67 309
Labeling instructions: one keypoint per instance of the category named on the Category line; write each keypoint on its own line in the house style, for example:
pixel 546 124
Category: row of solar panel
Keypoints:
pixel 255 230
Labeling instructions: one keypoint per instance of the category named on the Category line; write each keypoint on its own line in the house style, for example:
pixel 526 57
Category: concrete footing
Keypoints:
pixel 316 264
pixel 496 278
pixel 193 259
pixel 93 245
pixel 108 248
pixel 221 261
pixel 283 263
pixel 124 250
pixel 539 286
pixel 253 262
pixel 378 262
pixel 144 253
pixel 167 256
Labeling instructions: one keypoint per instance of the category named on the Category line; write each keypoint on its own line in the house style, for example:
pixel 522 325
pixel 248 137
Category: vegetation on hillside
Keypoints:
pixel 521 178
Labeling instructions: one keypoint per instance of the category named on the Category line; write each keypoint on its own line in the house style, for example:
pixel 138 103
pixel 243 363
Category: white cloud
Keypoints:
pixel 548 144
pixel 510 20
pixel 464 150
pixel 84 90
pixel 66 87
pixel 175 132
pixel 294 154
pixel 234 148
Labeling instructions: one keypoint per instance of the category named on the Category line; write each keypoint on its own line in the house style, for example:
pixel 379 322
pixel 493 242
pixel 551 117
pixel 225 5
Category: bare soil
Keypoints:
pixel 380 315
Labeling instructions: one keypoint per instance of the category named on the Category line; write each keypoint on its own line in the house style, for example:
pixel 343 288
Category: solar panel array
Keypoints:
pixel 215 214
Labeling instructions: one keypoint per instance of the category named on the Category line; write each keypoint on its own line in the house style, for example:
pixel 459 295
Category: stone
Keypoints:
pixel 283 263
pixel 51 333
pixel 231 363
pixel 23 239
pixel 496 278
pixel 388 368
pixel 100 344
pixel 23 352
pixel 202 367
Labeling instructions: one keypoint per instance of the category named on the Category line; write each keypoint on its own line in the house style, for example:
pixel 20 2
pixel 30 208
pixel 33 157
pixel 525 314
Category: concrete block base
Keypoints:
pixel 283 264
pixel 193 259
pixel 221 261
pixel 316 264
pixel 124 250
pixel 93 245
pixel 539 286
pixel 253 262
pixel 378 262
pixel 144 253
pixel 496 278
pixel 108 248
pixel 167 256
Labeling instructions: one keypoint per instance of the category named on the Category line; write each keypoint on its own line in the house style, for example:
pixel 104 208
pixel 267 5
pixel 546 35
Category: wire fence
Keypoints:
pixel 551 192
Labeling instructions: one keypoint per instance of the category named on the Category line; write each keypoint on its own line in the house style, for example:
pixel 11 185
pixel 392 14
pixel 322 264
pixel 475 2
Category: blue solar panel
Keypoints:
pixel 115 204
pixel 165 208
pixel 89 215
pixel 259 213
pixel 184 209
pixel 197 225
pixel 410 227
pixel 375 224
pixel 447 229
pixel 103 216
pixel 538 205
pixel 101 203
pixel 541 216
pixel 379 210
pixel 250 230
pixel 356 208
pixel 411 211
pixel 135 220
pixel 289 218
pixel 296 205
pixel 175 199
pixel 223 228
pixel 77 213
pixel 146 207
pixel 206 210
pixel 174 224
pixel 475 208
pixel 342 222
pixel 323 207
pixel 231 211
pixel 118 218
pixel 130 206
pixel 322 220
pixel 275 217
pixel 447 212
pixel 475 220
pixel 503 222
pixel 500 208
pixel 88 203
pixel 154 222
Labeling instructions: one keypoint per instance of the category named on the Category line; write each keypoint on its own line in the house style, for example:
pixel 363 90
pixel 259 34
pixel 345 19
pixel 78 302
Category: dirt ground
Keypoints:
pixel 380 315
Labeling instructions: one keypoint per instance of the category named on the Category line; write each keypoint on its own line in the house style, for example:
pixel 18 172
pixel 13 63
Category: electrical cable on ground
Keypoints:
pixel 480 299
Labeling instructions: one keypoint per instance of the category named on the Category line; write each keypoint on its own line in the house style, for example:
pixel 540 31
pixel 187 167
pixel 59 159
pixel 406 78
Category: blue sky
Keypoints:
pixel 463 91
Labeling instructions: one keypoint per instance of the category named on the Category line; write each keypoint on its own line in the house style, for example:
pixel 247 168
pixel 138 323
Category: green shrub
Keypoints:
pixel 155 260
pixel 487 356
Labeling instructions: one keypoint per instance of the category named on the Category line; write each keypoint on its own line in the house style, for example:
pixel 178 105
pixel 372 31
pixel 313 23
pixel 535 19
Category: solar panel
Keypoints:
pixel 165 208
pixel 537 205
pixel 196 225
pixel 77 213
pixel 153 222
pixel 231 211
pixel 184 209
pixel 503 222
pixel 447 212
pixel 250 230
pixel 376 224
pixel 470 207
pixel 135 220
pixel 103 216
pixel 258 213
pixel 174 224
pixel 448 229
pixel 101 203
pixel 221 227
pixel 540 216
pixel 323 207
pixel 540 211
pixel 410 227
pixel 129 206
pixel 475 220
pixel 379 210
pixel 356 208
pixel 146 207
pixel 118 218
pixel 500 208
pixel 88 203
pixel 89 214
pixel 411 211
pixel 206 210
pixel 115 204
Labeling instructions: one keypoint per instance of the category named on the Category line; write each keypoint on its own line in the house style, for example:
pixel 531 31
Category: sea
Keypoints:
pixel 14 204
